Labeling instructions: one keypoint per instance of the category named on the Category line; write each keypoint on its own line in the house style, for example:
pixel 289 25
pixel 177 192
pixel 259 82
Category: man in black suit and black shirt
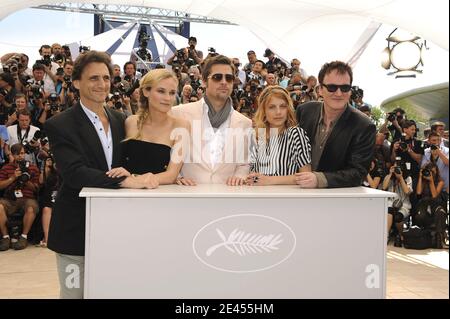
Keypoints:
pixel 85 141
pixel 342 137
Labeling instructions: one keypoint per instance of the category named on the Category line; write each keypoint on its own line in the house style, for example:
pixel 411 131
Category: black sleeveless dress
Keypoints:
pixel 140 157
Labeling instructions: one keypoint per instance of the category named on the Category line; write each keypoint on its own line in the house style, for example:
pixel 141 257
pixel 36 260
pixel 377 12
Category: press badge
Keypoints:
pixel 18 193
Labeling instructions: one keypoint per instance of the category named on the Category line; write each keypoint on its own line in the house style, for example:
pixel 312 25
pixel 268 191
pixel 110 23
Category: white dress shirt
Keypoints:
pixel 105 138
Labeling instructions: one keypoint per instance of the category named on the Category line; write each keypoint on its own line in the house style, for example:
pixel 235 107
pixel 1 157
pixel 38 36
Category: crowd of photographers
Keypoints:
pixel 416 170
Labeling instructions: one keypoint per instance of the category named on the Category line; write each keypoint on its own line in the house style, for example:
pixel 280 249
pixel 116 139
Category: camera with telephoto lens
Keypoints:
pixel 44 140
pixel 379 167
pixel 403 146
pixel 46 60
pixel 356 93
pixel 68 81
pixel 398 170
pixel 117 100
pixel 426 172
pixel 59 58
pixel 24 173
pixel 180 56
pixel 54 105
pixel 117 79
pixel 4 92
pixel 398 165
pixel 391 117
pixel 30 149
pixel 36 89
pixel 12 66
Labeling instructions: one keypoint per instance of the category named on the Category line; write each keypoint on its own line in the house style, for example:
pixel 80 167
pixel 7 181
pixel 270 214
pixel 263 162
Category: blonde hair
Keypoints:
pixel 263 100
pixel 151 79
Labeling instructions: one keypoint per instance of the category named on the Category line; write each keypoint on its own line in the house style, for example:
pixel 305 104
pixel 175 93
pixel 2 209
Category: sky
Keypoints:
pixel 26 30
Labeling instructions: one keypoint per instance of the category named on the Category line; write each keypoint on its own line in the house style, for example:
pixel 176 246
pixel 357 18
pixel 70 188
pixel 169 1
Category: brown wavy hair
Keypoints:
pixel 151 79
pixel 263 100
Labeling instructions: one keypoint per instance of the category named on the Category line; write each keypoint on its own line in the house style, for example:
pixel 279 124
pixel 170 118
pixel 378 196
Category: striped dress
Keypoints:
pixel 284 154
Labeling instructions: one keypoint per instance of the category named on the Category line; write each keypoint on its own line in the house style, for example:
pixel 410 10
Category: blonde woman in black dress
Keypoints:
pixel 152 146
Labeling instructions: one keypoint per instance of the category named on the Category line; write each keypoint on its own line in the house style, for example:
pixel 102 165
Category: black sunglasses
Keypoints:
pixel 345 88
pixel 218 77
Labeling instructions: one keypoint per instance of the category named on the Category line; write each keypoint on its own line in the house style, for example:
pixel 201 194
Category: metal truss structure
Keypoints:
pixel 127 13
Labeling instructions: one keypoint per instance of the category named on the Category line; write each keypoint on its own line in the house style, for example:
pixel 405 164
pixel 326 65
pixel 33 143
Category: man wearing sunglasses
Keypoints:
pixel 221 154
pixel 342 138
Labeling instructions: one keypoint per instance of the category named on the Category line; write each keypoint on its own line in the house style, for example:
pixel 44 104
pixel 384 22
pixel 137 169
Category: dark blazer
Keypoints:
pixel 349 149
pixel 80 160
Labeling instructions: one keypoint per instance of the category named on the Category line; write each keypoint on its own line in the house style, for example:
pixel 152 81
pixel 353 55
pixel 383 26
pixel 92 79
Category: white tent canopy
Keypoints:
pixel 292 26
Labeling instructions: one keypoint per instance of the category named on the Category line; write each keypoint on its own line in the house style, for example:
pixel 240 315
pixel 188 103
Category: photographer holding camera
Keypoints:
pixel 439 127
pixel 409 149
pixel 57 54
pixel 438 154
pixel 296 89
pixel 20 103
pixel 47 109
pixel 192 51
pixel 375 174
pixel 431 212
pixel 50 67
pixel 393 123
pixel 398 182
pixel 40 82
pixel 258 72
pixel 23 133
pixel 247 98
pixel 7 90
pixel 274 63
pixel 67 94
pixel 194 78
pixel 20 180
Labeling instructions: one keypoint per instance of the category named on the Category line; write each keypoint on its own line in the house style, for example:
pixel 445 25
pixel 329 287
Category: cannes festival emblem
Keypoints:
pixel 241 243
pixel 244 243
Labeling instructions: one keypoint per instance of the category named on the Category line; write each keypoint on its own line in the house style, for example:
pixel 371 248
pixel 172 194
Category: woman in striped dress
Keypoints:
pixel 279 147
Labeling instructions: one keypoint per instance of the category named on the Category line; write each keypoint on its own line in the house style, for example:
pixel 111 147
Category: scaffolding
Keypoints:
pixel 125 13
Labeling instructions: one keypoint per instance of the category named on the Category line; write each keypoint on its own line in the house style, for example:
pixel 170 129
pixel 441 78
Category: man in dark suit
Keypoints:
pixel 342 137
pixel 85 141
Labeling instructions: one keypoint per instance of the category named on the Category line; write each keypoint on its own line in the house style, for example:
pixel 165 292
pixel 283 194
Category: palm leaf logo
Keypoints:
pixel 244 243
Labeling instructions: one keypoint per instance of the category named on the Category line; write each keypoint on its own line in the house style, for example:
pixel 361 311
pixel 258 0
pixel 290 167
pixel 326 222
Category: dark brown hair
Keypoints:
pixel 219 59
pixel 90 57
pixel 339 66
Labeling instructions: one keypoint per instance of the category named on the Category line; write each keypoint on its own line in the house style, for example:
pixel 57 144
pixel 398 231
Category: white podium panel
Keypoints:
pixel 214 241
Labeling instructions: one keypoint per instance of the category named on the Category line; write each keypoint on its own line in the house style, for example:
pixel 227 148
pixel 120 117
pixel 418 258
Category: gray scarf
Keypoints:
pixel 218 118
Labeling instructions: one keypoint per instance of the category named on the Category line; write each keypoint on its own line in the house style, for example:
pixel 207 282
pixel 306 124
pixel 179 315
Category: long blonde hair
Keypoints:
pixel 151 79
pixel 263 100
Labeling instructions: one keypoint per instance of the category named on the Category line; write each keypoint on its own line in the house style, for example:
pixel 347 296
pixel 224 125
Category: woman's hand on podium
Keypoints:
pixel 306 180
pixel 150 180
pixel 185 181
pixel 256 179
pixel 235 181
